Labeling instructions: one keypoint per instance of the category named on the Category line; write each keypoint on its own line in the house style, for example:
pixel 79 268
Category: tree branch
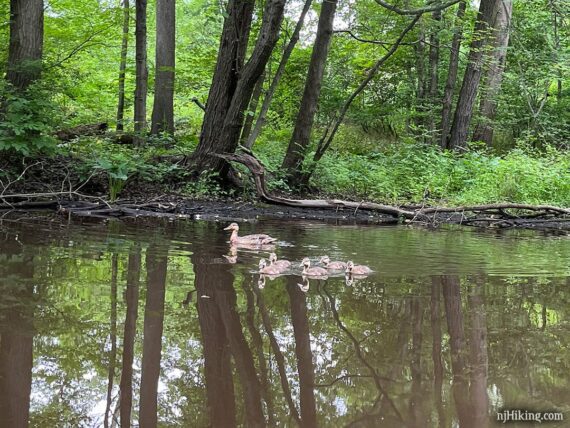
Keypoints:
pixel 419 11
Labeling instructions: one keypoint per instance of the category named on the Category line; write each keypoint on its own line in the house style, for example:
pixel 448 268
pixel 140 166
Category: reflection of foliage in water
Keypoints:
pixel 526 323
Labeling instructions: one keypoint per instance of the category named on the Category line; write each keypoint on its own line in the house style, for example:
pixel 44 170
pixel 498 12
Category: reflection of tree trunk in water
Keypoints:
pixel 279 358
pixel 156 264
pixel 217 363
pixel 132 296
pixel 436 346
pixel 453 312
pixel 479 358
pixel 16 348
pixel 303 353
pixel 360 356
pixel 258 344
pixel 416 408
pixel 113 337
pixel 225 297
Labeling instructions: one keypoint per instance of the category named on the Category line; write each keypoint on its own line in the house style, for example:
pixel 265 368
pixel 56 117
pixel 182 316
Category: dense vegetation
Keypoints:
pixel 450 102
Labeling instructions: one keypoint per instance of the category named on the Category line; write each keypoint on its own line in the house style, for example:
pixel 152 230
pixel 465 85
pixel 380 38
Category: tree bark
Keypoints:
pixel 141 84
pixel 433 86
pixel 123 66
pixel 472 77
pixel 421 86
pixel 225 139
pixel 26 42
pixel 494 75
pixel 132 296
pixel 252 108
pixel 156 264
pixel 451 75
pixel 163 108
pixel 293 161
pixel 280 70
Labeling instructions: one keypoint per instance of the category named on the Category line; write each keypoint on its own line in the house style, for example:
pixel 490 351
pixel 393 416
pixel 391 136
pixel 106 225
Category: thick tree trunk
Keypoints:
pixel 433 84
pixel 217 139
pixel 472 77
pixel 280 70
pixel 26 42
pixel 248 123
pixel 451 75
pixel 123 66
pixel 494 75
pixel 293 161
pixel 231 55
pixel 141 85
pixel 132 296
pixel 163 108
pixel 156 265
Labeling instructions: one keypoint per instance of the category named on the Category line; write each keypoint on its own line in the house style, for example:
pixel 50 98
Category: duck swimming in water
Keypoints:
pixel 326 261
pixel 353 269
pixel 281 264
pixel 257 239
pixel 316 271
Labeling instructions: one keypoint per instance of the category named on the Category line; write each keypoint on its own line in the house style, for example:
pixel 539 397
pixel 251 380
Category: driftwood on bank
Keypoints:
pixel 493 213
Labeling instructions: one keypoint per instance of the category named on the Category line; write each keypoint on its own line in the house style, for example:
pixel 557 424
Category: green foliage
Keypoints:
pixel 416 172
pixel 25 120
pixel 206 186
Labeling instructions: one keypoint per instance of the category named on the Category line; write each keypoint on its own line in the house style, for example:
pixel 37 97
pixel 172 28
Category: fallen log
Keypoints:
pixel 412 214
pixel 82 131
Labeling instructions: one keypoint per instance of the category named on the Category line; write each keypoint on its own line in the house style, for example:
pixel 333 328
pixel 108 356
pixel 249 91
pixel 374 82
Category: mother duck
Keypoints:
pixel 258 239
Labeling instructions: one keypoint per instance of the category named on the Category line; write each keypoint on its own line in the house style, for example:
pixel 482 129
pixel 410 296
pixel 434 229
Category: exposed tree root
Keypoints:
pixel 494 214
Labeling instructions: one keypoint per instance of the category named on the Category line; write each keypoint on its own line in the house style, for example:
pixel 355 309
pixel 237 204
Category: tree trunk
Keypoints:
pixel 163 109
pixel 123 66
pixel 26 42
pixel 293 161
pixel 132 296
pixel 488 107
pixel 451 75
pixel 141 85
pixel 231 55
pixel 217 139
pixel 472 77
pixel 433 86
pixel 251 110
pixel 280 70
pixel 421 108
pixel 156 264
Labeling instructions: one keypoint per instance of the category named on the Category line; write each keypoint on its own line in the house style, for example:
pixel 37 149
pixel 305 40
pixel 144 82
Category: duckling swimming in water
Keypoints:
pixel 281 264
pixel 269 269
pixel 353 269
pixel 257 239
pixel 326 261
pixel 316 271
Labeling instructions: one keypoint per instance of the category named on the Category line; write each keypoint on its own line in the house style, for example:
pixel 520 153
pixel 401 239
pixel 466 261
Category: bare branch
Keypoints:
pixel 419 11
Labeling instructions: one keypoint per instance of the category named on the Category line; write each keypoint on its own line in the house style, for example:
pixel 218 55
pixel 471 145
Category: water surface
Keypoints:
pixel 151 323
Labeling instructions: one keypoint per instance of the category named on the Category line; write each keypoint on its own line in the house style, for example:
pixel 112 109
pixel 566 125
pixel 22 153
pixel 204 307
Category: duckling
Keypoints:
pixel 258 239
pixel 357 269
pixel 326 261
pixel 282 264
pixel 316 271
pixel 268 270
pixel 304 287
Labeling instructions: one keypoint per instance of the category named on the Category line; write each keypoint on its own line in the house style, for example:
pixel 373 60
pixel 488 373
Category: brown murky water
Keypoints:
pixel 148 324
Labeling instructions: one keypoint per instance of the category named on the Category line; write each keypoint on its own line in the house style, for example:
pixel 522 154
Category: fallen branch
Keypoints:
pixel 412 214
